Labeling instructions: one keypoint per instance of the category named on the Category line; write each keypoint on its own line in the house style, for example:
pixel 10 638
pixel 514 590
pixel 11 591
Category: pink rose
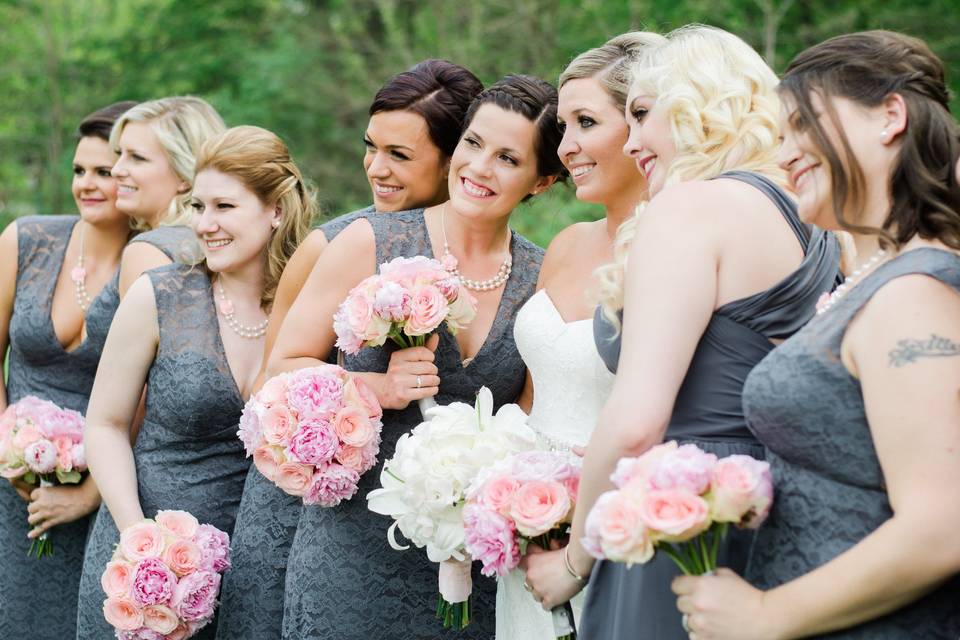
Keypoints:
pixel 615 530
pixel 491 539
pixel 179 523
pixel 160 618
pixel 686 468
pixel 331 485
pixel 357 393
pixel 122 613
pixel 250 431
pixel 391 302
pixel 463 310
pixel 352 458
pixel 497 493
pixel 64 445
pixel 117 578
pixel 277 424
pixel 638 470
pixel 370 452
pixel 143 633
pixel 539 506
pixel 195 596
pixel 741 491
pixel 182 556
pixel 267 461
pixel 358 307
pixel 314 443
pixel 450 287
pixel 41 456
pixel 353 427
pixel 214 548
pixel 294 478
pixel 674 515
pixel 141 540
pixel 428 309
pixel 27 435
pixel 315 394
pixel 79 455
pixel 183 631
pixel 153 582
pixel 274 391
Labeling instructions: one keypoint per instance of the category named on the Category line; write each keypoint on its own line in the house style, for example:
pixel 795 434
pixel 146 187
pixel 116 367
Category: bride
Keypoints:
pixel 554 329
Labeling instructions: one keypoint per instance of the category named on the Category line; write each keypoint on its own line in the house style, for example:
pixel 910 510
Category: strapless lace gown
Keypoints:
pixel 571 385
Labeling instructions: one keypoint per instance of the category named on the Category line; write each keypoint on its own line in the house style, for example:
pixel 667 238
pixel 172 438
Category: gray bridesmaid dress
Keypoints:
pixel 252 594
pixel 40 366
pixel 633 603
pixel 187 453
pixel 343 579
pixel 830 494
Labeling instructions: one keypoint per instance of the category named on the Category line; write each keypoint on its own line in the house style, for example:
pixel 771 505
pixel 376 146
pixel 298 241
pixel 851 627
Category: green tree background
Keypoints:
pixel 307 69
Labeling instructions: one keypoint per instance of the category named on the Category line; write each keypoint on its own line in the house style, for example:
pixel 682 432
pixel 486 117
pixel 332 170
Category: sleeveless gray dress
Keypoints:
pixel 343 579
pixel 637 602
pixel 187 453
pixel 808 411
pixel 40 366
pixel 251 597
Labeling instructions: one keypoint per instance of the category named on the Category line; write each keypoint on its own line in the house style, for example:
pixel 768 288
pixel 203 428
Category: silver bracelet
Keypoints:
pixel 566 561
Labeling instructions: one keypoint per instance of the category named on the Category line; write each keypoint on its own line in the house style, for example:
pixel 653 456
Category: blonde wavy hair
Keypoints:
pixel 262 162
pixel 721 101
pixel 182 124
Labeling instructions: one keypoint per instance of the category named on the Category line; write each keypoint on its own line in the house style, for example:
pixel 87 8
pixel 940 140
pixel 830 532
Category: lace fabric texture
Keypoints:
pixel 251 598
pixel 187 454
pixel 343 579
pixel 829 489
pixel 571 385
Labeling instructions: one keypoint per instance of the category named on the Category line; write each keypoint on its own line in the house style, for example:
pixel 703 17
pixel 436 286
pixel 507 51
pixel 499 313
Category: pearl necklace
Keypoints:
pixel 827 301
pixel 497 281
pixel 79 277
pixel 227 309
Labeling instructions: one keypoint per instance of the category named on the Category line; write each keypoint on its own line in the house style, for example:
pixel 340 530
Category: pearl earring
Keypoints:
pixel 883 136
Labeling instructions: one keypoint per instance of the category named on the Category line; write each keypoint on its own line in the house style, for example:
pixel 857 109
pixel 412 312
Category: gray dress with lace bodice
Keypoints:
pixel 806 408
pixel 40 366
pixel 187 453
pixel 252 594
pixel 637 602
pixel 343 579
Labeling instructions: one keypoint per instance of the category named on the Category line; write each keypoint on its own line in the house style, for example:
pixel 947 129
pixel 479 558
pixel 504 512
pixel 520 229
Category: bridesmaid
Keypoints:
pixel 194 335
pixel 554 329
pixel 415 122
pixel 859 411
pixel 701 301
pixel 55 327
pixel 343 580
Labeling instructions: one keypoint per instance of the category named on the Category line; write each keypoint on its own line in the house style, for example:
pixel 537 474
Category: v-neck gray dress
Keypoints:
pixel 343 579
pixel 187 454
pixel 251 603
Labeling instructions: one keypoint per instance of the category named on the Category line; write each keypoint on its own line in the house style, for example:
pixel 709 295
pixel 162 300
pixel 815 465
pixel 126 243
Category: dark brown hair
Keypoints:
pixel 99 123
pixel 866 68
pixel 438 91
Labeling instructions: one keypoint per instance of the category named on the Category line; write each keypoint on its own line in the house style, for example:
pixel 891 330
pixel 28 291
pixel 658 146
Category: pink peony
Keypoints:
pixel 267 461
pixel 41 456
pixel 491 539
pixel 294 478
pixel 636 471
pixel 117 578
pixel 122 613
pixel 408 271
pixel 543 465
pixel 313 394
pixel 615 530
pixel 686 468
pixel 27 435
pixel 251 431
pixel 353 427
pixel 428 309
pixel 277 424
pixel 741 491
pixel 141 540
pixel 183 557
pixel 391 302
pixel 79 456
pixel 214 548
pixel 674 515
pixel 160 619
pixel 331 485
pixel 539 506
pixel 179 523
pixel 497 493
pixel 64 445
pixel 347 341
pixel 143 633
pixel 356 392
pixel 153 582
pixel 195 596
pixel 313 443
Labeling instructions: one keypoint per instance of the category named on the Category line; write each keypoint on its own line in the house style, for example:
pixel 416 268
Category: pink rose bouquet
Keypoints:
pixel 313 433
pixel 42 445
pixel 679 500
pixel 164 578
pixel 526 497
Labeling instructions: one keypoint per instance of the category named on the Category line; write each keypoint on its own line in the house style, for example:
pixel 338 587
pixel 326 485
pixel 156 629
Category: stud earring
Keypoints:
pixel 883 136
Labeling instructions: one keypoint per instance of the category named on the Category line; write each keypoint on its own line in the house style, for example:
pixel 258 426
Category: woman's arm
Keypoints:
pixel 8 285
pixel 905 349
pixel 137 257
pixel 127 357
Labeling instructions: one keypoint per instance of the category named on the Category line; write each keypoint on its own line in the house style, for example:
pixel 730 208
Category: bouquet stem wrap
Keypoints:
pixel 425 404
pixel 42 547
pixel 455 586
pixel 564 627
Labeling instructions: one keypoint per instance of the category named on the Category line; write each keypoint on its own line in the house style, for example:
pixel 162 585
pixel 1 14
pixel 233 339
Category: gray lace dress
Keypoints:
pixel 252 594
pixel 829 491
pixel 343 579
pixel 40 366
pixel 187 454
pixel 633 603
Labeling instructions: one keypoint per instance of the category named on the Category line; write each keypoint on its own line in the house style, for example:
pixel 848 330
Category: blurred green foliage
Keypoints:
pixel 307 69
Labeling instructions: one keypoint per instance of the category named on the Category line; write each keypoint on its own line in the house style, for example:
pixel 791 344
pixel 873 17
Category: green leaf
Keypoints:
pixel 68 477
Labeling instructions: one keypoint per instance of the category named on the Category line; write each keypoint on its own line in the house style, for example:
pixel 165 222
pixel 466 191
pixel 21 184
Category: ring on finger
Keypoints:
pixel 685 622
pixel 526 585
pixel 419 382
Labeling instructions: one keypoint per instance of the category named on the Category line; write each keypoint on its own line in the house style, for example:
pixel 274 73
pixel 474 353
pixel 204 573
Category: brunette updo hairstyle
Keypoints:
pixel 99 123
pixel 438 91
pixel 261 161
pixel 866 68
pixel 535 100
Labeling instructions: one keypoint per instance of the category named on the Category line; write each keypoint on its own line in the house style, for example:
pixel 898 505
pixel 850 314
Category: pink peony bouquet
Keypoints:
pixel 526 497
pixel 42 445
pixel 313 432
pixel 679 500
pixel 164 578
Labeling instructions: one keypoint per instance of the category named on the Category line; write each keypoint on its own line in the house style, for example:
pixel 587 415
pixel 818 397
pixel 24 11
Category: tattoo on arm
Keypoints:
pixel 935 346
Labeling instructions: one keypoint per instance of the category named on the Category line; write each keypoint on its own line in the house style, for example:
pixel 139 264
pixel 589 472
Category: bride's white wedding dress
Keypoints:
pixel 571 385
